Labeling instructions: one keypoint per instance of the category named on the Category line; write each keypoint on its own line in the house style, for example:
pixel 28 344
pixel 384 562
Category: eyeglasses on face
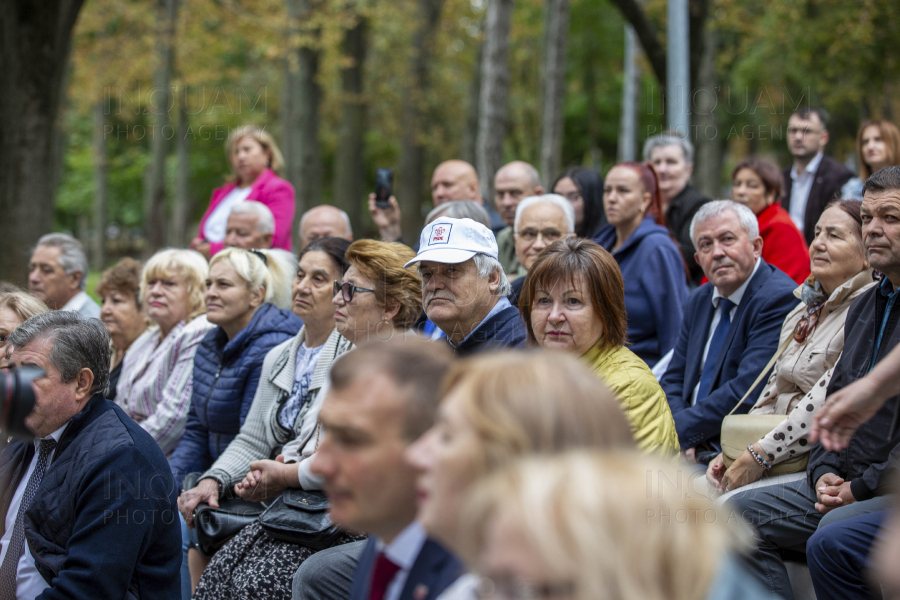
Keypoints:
pixel 530 235
pixel 347 290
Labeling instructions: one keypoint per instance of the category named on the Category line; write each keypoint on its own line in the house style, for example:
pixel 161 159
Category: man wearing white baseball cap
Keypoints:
pixel 464 287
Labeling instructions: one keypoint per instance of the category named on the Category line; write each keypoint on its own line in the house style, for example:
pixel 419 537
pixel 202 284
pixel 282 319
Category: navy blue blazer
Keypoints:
pixel 433 572
pixel 752 340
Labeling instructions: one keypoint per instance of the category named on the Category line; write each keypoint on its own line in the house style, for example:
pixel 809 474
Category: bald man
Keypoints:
pixel 324 221
pixel 452 181
pixel 513 182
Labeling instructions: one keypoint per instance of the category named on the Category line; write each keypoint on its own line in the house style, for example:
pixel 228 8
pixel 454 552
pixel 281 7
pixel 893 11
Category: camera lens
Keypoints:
pixel 17 400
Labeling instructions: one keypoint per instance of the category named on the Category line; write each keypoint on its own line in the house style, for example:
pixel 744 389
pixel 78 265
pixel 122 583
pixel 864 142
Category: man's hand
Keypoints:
pixel 743 471
pixel 201 246
pixel 387 219
pixel 207 491
pixel 690 456
pixel 267 479
pixel 844 411
pixel 832 492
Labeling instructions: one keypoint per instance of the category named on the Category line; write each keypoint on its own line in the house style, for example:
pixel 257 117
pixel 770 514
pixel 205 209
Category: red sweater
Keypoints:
pixel 783 244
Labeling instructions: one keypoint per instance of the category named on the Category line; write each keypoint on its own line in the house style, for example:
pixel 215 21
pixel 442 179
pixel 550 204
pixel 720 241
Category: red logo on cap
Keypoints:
pixel 438 235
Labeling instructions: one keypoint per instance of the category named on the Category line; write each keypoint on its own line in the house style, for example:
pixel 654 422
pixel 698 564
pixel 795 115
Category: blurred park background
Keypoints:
pixel 150 89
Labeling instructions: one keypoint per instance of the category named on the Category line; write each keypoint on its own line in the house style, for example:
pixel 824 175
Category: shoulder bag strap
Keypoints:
pixel 765 370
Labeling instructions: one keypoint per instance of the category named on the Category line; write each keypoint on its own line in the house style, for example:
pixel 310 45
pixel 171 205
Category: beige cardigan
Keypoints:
pixel 797 385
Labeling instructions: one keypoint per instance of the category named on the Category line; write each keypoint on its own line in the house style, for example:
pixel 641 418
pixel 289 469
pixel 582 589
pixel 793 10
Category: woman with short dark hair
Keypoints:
pixel 122 312
pixel 574 300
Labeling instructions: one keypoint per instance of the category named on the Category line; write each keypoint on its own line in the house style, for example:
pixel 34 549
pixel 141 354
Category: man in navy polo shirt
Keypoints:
pixel 464 287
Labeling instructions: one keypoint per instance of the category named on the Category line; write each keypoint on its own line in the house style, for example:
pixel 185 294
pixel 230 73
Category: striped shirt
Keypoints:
pixel 157 379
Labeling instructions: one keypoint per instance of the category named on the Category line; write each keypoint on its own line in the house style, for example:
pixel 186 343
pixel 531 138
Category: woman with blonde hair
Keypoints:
pixel 255 162
pixel 122 311
pixel 496 409
pixel 15 309
pixel 157 373
pixel 601 526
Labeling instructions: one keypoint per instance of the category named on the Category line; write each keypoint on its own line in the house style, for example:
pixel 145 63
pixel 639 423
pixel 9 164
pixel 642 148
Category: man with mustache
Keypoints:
pixel 464 288
pixel 730 330
pixel 814 179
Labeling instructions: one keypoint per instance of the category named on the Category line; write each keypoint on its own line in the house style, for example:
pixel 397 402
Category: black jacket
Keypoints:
pixel 103 523
pixel 503 330
pixel 872 450
pixel 681 210
pixel 830 177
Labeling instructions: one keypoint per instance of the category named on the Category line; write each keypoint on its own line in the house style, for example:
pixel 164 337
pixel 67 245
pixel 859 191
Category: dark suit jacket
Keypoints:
pixel 751 341
pixel 433 572
pixel 830 177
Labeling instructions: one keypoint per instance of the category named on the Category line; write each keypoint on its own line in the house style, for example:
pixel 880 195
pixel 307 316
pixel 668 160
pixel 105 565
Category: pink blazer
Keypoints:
pixel 275 193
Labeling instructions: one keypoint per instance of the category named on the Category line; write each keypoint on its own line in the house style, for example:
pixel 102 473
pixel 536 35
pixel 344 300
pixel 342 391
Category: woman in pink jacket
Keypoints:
pixel 255 163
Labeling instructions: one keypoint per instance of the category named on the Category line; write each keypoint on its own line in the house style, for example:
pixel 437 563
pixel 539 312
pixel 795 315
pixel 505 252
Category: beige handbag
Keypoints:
pixel 739 431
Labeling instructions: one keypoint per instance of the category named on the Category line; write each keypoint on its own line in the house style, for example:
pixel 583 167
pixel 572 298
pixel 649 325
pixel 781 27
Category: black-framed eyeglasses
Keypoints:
pixel 347 290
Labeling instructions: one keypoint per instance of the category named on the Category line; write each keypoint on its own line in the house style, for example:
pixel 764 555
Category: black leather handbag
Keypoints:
pixel 300 517
pixel 215 526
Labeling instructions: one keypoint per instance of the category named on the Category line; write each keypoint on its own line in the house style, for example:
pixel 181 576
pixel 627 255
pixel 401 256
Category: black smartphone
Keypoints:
pixel 384 187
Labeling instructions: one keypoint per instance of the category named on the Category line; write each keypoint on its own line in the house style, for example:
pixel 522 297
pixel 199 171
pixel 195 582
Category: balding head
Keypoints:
pixel 514 181
pixel 324 221
pixel 455 181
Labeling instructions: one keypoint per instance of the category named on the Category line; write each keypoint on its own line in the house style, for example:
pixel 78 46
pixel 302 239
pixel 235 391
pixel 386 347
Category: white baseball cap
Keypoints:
pixel 453 241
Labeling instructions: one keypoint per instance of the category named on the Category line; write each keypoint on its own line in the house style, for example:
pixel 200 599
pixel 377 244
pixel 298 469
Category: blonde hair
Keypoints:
pixel 275 275
pixel 262 137
pixel 382 264
pixel 520 403
pixel 618 525
pixel 24 305
pixel 189 264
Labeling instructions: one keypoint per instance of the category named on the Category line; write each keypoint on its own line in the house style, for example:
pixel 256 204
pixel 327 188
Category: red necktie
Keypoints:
pixel 382 575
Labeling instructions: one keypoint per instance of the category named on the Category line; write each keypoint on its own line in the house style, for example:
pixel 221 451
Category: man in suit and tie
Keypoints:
pixel 813 180
pixel 383 396
pixel 731 326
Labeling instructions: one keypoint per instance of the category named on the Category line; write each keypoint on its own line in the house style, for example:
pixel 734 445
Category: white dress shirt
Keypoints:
pixel 403 552
pixel 29 583
pixel 802 184
pixel 736 298
pixel 83 305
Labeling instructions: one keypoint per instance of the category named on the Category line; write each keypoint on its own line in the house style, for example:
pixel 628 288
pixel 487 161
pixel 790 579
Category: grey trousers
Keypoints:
pixel 784 517
pixel 328 574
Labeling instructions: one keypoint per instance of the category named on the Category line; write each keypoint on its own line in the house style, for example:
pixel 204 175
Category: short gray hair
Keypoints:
pixel 460 210
pixel 669 139
pixel 265 223
pixel 554 199
pixel 78 343
pixel 486 266
pixel 343 214
pixel 71 254
pixel 717 208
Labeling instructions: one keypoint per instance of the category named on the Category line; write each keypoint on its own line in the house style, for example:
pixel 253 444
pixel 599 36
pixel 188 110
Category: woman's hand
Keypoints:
pixel 267 479
pixel 715 471
pixel 207 491
pixel 743 471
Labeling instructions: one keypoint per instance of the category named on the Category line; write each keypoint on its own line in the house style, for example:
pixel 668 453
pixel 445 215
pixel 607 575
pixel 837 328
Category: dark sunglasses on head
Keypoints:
pixel 347 290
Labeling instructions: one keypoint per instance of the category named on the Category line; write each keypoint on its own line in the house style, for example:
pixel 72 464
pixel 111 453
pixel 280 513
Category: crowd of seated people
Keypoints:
pixel 476 411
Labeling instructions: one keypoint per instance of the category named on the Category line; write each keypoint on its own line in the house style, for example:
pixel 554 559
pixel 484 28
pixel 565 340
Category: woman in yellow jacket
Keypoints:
pixel 573 299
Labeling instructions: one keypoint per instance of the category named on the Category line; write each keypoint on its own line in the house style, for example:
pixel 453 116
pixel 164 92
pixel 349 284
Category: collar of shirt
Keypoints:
pixel 56 435
pixel 76 302
pixel 810 169
pixel 405 548
pixel 502 304
pixel 886 288
pixel 738 293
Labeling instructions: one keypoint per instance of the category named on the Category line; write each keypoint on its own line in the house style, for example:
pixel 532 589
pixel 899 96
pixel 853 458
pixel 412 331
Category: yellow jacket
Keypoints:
pixel 642 398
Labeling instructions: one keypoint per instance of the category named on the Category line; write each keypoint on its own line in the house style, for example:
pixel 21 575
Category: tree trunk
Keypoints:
pixel 470 133
pixel 709 145
pixel 630 97
pixel 304 167
pixel 557 24
pixel 181 203
pixel 647 34
pixel 162 99
pixel 35 37
pixel 350 166
pixel 494 94
pixel 98 246
pixel 412 151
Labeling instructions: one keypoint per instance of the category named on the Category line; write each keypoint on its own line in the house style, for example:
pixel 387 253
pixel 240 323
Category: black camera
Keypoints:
pixel 17 401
